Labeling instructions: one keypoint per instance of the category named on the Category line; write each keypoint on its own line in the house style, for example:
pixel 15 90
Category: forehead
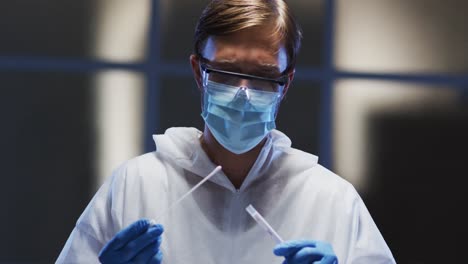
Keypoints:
pixel 250 47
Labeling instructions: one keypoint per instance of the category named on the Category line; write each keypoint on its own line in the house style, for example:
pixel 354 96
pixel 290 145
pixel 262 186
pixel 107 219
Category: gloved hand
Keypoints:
pixel 306 252
pixel 137 243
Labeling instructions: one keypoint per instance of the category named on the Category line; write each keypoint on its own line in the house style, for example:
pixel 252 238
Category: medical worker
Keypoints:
pixel 243 64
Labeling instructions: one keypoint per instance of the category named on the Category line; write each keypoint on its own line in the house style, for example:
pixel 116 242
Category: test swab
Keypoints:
pixel 216 170
pixel 263 223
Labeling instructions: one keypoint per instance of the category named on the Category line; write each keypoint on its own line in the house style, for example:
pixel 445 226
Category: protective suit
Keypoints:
pixel 296 195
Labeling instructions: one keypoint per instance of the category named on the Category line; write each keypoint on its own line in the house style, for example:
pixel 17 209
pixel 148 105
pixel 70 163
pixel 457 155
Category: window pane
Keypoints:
pixel 299 114
pixel 404 147
pixel 51 143
pixel 310 15
pixel 104 29
pixel 180 104
pixel 179 19
pixel 47 156
pixel 402 36
pixel 119 98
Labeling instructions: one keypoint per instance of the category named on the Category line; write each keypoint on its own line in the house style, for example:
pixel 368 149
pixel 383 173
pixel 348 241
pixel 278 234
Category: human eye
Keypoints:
pixel 264 85
pixel 224 78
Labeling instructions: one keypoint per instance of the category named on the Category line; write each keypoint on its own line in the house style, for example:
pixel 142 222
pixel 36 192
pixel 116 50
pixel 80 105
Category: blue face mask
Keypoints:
pixel 239 118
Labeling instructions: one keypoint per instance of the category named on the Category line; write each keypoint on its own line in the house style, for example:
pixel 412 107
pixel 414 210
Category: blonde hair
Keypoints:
pixel 223 17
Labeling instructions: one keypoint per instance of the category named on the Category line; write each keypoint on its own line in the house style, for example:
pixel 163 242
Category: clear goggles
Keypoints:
pixel 237 80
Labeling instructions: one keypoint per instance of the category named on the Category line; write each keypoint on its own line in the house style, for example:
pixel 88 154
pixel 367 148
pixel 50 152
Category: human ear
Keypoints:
pixel 195 63
pixel 286 86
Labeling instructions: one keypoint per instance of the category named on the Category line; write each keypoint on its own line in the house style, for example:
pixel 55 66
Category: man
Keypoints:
pixel 243 64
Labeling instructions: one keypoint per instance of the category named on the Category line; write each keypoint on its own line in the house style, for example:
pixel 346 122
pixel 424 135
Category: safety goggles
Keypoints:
pixel 234 79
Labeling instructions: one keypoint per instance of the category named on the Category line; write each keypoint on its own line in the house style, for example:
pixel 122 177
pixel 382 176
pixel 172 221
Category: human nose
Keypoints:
pixel 244 83
pixel 243 94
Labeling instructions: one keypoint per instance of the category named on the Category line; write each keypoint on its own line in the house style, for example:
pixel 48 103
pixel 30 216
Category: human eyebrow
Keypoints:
pixel 229 65
pixel 271 69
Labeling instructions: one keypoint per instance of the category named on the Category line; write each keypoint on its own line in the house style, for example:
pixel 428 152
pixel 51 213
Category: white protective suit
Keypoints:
pixel 297 196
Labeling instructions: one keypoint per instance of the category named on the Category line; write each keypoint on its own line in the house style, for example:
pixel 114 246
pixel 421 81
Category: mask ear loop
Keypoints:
pixel 280 98
pixel 204 78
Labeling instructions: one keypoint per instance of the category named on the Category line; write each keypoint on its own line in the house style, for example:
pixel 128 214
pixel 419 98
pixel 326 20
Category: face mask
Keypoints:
pixel 239 118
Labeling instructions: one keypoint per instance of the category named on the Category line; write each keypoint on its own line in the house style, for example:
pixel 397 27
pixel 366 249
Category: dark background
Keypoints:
pixel 417 159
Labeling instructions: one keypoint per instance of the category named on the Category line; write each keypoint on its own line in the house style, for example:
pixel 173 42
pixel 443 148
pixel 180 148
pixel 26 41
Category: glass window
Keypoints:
pixel 299 114
pixel 403 146
pixel 426 36
pixel 52 140
pixel 310 15
pixel 104 29
pixel 119 100
pixel 178 21
pixel 47 153
pixel 180 104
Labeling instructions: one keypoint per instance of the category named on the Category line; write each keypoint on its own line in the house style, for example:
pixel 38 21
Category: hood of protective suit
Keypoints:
pixel 182 146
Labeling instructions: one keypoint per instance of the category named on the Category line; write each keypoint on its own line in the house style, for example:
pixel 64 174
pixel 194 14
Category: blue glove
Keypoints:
pixel 137 243
pixel 306 252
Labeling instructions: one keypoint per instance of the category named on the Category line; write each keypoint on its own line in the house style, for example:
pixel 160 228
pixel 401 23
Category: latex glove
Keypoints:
pixel 306 252
pixel 137 243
